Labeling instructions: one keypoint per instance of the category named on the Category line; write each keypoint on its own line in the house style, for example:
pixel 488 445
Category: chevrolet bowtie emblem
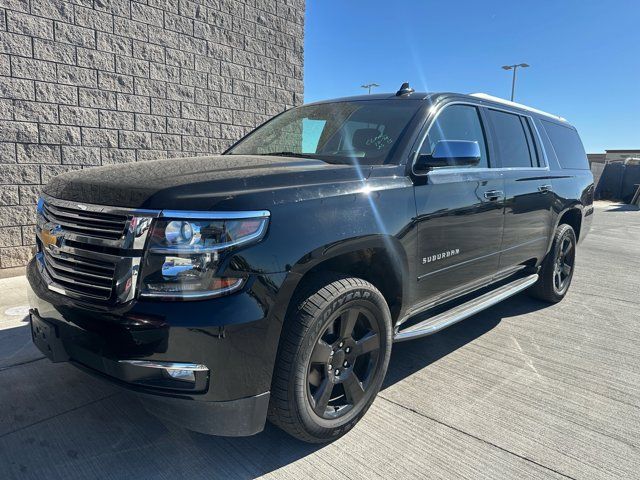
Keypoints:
pixel 51 236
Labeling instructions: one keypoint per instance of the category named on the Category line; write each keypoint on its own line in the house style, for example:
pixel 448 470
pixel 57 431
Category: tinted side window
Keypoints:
pixel 567 146
pixel 457 122
pixel 513 139
pixel 533 147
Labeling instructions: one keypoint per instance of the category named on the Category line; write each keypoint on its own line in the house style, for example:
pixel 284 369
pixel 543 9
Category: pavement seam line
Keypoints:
pixel 487 442
pixel 26 362
pixel 607 297
pixel 24 427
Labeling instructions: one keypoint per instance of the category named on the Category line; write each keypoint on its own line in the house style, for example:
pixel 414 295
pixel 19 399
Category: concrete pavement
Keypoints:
pixel 519 391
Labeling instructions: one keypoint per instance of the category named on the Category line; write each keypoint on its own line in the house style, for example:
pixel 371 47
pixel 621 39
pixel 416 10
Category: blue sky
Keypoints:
pixel 584 55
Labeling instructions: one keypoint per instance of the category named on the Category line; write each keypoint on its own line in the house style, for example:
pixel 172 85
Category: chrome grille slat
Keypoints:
pixel 94 232
pixel 114 220
pixel 63 290
pixel 90 256
pixel 81 217
pixel 72 281
pixel 84 263
pixel 84 226
pixel 58 265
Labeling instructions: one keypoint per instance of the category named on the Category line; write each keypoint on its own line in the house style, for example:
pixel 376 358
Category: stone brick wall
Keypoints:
pixel 95 82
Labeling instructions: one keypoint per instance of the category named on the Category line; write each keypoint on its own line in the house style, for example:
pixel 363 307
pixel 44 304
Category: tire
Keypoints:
pixel 557 267
pixel 317 354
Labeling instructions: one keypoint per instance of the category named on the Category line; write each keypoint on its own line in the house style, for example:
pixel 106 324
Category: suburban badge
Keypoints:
pixel 440 256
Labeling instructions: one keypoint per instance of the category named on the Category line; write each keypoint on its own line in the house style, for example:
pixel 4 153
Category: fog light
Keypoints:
pixel 178 371
pixel 184 375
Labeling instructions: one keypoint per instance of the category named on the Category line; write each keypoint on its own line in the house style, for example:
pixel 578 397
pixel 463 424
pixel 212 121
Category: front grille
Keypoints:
pixel 90 252
pixel 83 222
pixel 80 275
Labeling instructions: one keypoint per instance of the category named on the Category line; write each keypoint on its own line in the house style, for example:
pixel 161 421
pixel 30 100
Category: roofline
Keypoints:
pixel 375 96
pixel 432 95
pixel 623 151
pixel 485 96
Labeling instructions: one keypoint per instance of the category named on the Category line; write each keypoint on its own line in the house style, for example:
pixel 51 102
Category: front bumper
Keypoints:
pixel 234 337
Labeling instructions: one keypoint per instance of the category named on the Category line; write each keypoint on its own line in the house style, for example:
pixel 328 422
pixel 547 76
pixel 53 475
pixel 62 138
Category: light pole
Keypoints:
pixel 514 68
pixel 369 86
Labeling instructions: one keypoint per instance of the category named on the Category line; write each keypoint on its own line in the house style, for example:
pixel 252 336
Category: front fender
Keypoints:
pixel 377 214
pixel 381 243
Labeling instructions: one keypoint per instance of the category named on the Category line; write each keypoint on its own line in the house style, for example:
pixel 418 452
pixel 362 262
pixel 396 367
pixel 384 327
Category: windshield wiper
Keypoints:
pixel 290 154
pixel 313 156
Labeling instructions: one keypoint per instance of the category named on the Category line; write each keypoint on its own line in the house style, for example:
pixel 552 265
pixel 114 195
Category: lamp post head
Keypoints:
pixel 511 67
pixel 369 86
pixel 515 70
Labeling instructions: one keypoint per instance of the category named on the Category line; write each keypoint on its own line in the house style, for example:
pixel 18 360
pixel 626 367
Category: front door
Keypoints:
pixel 460 212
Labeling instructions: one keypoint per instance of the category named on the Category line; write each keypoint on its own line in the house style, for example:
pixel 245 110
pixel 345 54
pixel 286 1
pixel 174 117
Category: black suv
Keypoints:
pixel 271 281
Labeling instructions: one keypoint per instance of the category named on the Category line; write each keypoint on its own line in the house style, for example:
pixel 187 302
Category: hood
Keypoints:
pixel 205 183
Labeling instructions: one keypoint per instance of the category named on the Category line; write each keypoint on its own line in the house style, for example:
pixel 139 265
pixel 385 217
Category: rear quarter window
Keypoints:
pixel 566 145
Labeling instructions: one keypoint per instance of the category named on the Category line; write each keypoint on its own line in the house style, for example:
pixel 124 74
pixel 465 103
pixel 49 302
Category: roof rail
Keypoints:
pixel 517 105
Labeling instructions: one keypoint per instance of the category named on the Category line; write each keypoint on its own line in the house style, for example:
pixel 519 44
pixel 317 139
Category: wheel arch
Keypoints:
pixel 573 217
pixel 378 259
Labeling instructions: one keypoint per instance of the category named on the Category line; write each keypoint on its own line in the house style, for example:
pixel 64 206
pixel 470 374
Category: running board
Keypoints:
pixel 435 324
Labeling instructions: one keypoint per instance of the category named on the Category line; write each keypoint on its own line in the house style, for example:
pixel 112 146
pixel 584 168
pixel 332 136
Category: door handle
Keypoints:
pixel 545 188
pixel 493 195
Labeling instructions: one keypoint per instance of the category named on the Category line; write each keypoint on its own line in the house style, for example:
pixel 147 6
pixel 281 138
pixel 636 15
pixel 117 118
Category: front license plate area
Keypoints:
pixel 45 337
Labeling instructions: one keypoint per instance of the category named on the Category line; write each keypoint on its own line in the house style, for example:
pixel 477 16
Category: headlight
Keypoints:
pixel 183 254
pixel 178 231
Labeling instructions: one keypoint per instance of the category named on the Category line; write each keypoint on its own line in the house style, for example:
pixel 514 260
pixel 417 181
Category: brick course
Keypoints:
pixel 94 83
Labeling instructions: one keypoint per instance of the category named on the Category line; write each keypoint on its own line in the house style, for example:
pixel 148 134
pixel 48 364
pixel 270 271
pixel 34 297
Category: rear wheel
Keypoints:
pixel 557 268
pixel 332 359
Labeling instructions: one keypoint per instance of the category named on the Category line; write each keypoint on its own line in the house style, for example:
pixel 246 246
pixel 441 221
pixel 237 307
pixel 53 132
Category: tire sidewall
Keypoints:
pixel 355 296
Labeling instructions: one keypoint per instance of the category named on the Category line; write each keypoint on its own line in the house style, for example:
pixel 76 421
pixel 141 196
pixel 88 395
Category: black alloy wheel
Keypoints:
pixel 563 266
pixel 333 355
pixel 342 363
pixel 556 270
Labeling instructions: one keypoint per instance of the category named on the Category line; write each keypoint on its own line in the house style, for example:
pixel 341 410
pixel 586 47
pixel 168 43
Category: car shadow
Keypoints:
pixel 16 347
pixel 163 449
pixel 411 356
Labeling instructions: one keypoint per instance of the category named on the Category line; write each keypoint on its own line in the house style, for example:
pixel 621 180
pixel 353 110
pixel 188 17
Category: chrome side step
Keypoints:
pixel 460 312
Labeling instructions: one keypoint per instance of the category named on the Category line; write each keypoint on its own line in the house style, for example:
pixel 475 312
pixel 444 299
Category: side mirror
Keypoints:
pixel 450 153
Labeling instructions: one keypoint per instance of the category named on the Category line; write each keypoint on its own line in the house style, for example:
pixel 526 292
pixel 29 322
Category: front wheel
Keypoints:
pixel 332 359
pixel 557 268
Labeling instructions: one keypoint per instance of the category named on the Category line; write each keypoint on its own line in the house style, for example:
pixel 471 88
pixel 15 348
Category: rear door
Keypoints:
pixel 528 189
pixel 460 211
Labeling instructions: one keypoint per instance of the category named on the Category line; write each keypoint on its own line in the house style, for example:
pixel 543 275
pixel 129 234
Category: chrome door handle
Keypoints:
pixel 493 195
pixel 545 188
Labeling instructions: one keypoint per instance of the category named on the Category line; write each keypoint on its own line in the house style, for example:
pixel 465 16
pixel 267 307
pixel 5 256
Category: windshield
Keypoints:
pixel 341 132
